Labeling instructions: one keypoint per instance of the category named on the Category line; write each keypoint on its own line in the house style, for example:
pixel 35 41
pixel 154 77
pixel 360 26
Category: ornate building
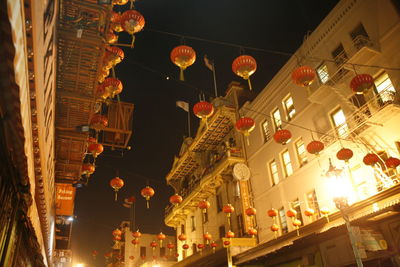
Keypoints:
pixel 203 172
pixel 317 194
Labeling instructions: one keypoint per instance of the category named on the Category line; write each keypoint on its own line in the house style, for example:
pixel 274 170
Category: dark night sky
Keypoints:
pixel 158 126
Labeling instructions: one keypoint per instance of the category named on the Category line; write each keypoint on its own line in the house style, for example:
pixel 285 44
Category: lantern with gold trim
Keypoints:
pixel 98 121
pixel 315 147
pixel 116 22
pixel 132 22
pixel 111 37
pixel 309 212
pixel 361 83
pixel 185 246
pixel 282 136
pixel 113 56
pixel 214 246
pixel 244 66
pixel 204 205
pixel 88 169
pixel 203 110
pixel 120 2
pixel 160 238
pixel 303 76
pixel 230 234
pixel 325 212
pixel 245 125
pixel 175 199
pixel 207 237
pixel 252 231
pixel 344 154
pixel 112 86
pixel 296 223
pixel 182 237
pixel 95 148
pixel 116 183
pixel 135 242
pixel 392 162
pixel 183 56
pixel 275 228
pixel 147 193
pixel 170 247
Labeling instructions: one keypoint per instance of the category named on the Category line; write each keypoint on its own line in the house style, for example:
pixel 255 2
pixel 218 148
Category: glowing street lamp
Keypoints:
pixel 341 187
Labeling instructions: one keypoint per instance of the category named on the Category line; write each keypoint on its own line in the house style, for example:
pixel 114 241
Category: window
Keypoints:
pixel 283 221
pixel 221 231
pixel 323 73
pixel 193 222
pixel 339 55
pixel 296 206
pixel 162 252
pixel 219 202
pixel 266 132
pixel 205 216
pixel 384 88
pixel 359 36
pixel 277 119
pixel 273 169
pixel 183 229
pixel 142 251
pixel 194 248
pixel 289 107
pixel 312 203
pixel 287 164
pixel 301 152
pixel 339 122
pixel 240 225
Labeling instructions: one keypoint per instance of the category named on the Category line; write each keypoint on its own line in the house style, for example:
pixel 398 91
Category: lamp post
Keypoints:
pixel 341 202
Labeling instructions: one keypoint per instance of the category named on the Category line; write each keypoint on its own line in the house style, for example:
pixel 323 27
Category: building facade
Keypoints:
pixel 203 171
pixel 357 37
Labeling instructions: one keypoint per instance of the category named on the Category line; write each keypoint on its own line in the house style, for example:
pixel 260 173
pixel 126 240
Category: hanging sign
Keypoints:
pixel 65 195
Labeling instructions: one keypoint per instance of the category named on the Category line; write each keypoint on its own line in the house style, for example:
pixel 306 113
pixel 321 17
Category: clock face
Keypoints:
pixel 241 172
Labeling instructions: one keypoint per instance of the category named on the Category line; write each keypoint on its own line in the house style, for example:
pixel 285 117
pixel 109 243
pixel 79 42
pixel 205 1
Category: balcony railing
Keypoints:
pixel 217 167
pixel 359 119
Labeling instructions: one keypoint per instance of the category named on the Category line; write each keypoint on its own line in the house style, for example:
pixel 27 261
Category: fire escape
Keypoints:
pixel 81 29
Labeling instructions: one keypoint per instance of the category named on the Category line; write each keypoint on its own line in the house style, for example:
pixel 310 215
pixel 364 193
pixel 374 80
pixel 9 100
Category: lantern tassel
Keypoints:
pixel 213 250
pixel 275 235
pixel 297 230
pixel 160 243
pixel 248 81
pixel 181 76
pixel 327 218
pixel 248 140
pixel 147 204
pixel 133 41
pixel 115 196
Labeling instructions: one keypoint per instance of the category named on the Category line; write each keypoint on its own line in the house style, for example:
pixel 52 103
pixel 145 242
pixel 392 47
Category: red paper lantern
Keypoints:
pixel 291 213
pixel 204 205
pixel 252 231
pixel 111 37
pixel 207 236
pixel 176 255
pixel 361 83
pixel 107 255
pixel 117 232
pixel 303 76
pixel 203 110
pixel 143 257
pixel 98 121
pixel 227 243
pixel 147 193
pixel 274 228
pixel 137 234
pixel 244 66
pixel 175 199
pixel 230 234
pixel 135 242
pixel 116 22
pixel 182 237
pixel 153 244
pixel 185 246
pixel 250 211
pixel 200 246
pixel 371 159
pixel 213 245
pixel 112 86
pixel 183 56
pixel 315 147
pixel 282 136
pixel 113 56
pixel 245 125
pixel 161 237
pixel 344 154
pixel 296 223
pixel 120 2
pixel 117 238
pixel 131 258
pixel 88 169
pixel 272 213
pixel 228 209
pixel 95 149
pixel 94 254
pixel 392 162
pixel 132 22
pixel 116 183
pixel 309 212
pixel 170 246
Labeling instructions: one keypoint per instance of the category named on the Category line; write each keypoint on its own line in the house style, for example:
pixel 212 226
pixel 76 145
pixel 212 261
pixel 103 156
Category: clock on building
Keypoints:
pixel 241 172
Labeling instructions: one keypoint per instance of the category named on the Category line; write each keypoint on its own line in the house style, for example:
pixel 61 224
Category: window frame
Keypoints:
pixel 283 221
pixel 299 158
pixel 271 174
pixel 312 202
pixel 340 126
pixel 265 131
pixel 193 223
pixel 284 104
pixel 284 165
pixel 276 126
pixel 323 78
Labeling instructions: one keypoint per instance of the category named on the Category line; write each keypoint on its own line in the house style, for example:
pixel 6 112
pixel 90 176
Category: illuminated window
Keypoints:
pixel 287 164
pixel 273 170
pixel 266 132
pixel 142 251
pixel 283 221
pixel 289 107
pixel 296 206
pixel 312 203
pixel 277 118
pixel 339 121
pixel 384 87
pixel 301 152
pixel 323 73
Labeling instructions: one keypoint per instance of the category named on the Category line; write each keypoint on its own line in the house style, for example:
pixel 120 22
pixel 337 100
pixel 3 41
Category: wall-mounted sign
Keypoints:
pixel 65 196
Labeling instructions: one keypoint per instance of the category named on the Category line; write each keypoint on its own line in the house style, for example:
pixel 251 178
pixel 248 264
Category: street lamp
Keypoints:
pixel 340 188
